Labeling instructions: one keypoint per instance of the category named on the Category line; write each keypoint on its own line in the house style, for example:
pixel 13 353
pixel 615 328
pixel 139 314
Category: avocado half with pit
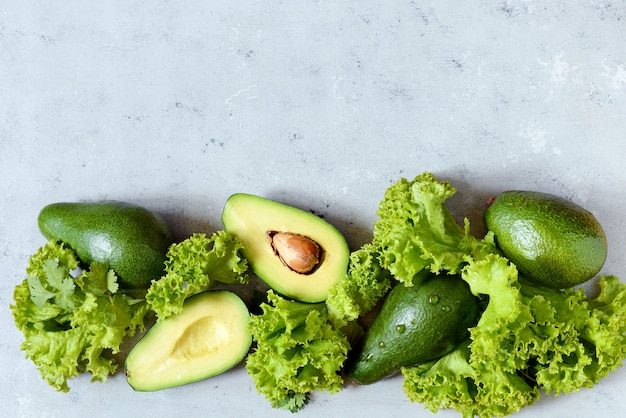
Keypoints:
pixel 208 337
pixel 296 253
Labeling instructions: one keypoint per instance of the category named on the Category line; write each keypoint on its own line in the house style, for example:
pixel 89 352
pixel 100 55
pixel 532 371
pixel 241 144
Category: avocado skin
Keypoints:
pixel 132 240
pixel 434 318
pixel 551 240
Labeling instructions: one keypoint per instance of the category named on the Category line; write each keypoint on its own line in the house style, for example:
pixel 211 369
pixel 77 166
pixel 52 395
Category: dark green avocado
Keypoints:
pixel 130 239
pixel 415 325
pixel 552 241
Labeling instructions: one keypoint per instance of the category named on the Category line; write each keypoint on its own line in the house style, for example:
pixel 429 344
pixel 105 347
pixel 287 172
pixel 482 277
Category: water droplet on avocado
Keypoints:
pixel 433 298
pixel 382 344
pixel 433 334
pixel 369 357
pixel 446 308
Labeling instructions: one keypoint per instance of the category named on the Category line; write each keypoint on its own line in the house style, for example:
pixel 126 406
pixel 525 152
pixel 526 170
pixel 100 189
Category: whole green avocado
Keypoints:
pixel 416 324
pixel 130 239
pixel 551 240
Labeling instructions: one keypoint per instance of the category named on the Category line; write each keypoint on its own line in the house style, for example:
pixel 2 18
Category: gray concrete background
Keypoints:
pixel 319 104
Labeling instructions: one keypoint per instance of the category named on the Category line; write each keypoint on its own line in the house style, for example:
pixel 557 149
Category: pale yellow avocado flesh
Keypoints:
pixel 251 217
pixel 207 338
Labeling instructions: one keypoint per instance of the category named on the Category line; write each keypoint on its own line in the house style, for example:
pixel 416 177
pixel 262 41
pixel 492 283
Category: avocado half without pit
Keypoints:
pixel 295 252
pixel 209 337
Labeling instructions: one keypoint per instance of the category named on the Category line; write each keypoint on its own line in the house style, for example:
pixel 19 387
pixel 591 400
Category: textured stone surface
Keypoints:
pixel 318 104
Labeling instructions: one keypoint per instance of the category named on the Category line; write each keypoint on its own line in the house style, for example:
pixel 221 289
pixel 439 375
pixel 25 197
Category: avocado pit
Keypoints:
pixel 297 252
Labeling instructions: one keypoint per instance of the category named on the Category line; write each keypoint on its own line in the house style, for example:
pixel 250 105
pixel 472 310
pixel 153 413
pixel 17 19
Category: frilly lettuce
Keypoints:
pixel 194 265
pixel 480 378
pixel 529 339
pixel 416 231
pixel 73 320
pixel 551 341
pixel 577 340
pixel 297 352
pixel 360 289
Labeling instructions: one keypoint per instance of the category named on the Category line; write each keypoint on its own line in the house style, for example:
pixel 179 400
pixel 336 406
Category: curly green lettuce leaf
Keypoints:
pixel 453 381
pixel 606 327
pixel 577 341
pixel 482 377
pixel 497 278
pixel 416 230
pixel 73 321
pixel 529 340
pixel 559 339
pixel 360 289
pixel 195 265
pixel 298 351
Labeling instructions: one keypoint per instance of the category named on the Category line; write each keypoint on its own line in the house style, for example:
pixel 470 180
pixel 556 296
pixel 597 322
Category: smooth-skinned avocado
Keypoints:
pixel 415 324
pixel 208 337
pixel 552 241
pixel 130 239
pixel 296 253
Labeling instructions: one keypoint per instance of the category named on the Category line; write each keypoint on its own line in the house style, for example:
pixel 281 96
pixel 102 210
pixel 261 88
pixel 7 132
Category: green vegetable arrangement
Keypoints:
pixel 298 351
pixel 194 265
pixel 529 340
pixel 72 323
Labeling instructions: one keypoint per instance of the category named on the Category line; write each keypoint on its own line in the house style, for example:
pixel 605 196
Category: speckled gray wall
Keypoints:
pixel 319 104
